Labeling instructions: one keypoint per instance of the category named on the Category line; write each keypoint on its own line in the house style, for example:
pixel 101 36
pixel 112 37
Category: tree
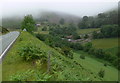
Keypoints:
pixel 28 23
pixel 62 21
pixel 83 23
pixel 76 46
pixel 99 53
pixel 87 46
pixel 94 34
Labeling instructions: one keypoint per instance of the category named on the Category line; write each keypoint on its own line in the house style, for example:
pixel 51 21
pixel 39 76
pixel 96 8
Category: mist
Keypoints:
pixel 74 7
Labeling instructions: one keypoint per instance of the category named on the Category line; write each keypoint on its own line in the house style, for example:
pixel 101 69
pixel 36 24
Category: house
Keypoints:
pixel 38 25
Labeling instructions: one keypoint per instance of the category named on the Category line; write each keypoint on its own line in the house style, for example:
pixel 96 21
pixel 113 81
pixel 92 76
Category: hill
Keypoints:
pixel 64 68
pixel 14 22
pixel 55 17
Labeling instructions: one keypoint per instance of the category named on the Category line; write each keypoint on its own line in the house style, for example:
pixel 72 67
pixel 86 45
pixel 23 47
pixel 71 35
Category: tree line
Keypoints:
pixel 107 31
pixel 99 20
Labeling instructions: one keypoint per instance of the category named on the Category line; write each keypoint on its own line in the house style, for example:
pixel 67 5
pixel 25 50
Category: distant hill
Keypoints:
pixel 55 17
pixel 14 22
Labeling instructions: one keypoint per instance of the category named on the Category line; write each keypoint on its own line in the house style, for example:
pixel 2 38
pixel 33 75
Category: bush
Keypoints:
pixel 76 46
pixel 91 51
pixel 105 64
pixel 99 53
pixel 101 73
pixel 4 30
pixel 87 46
pixel 44 29
pixel 82 56
pixel 41 36
pixel 67 52
pixel 31 52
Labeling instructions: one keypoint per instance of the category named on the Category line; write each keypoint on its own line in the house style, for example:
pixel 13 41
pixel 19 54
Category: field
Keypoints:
pixel 105 43
pixel 86 31
pixel 71 69
pixel 94 65
pixel 108 44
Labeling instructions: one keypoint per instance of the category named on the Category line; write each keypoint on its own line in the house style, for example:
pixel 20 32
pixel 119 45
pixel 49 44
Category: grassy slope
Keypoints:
pixel 94 66
pixel 13 63
pixel 85 31
pixel 108 44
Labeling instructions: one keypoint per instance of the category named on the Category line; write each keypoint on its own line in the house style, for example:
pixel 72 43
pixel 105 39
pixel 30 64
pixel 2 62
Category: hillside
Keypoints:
pixel 55 17
pixel 14 22
pixel 64 68
pixel 11 23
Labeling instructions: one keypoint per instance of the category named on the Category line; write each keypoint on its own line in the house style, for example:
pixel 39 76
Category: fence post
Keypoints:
pixel 48 62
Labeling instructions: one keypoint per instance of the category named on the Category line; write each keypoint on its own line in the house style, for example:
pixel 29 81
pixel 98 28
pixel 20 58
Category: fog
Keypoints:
pixel 74 7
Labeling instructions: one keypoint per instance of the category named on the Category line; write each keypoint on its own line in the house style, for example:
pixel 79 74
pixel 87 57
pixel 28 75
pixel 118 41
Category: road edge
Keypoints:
pixel 5 51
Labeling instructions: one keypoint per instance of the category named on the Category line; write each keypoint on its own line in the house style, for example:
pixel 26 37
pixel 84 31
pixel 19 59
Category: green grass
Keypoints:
pixel 108 44
pixel 86 31
pixel 94 66
pixel 105 43
pixel 85 71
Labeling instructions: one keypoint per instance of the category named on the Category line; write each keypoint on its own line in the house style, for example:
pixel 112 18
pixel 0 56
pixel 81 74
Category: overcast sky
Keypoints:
pixel 75 7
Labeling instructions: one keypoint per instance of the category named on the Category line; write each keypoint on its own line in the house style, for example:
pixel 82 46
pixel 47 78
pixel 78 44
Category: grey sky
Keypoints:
pixel 75 7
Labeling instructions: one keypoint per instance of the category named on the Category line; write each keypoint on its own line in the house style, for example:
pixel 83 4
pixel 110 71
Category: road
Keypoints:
pixel 6 40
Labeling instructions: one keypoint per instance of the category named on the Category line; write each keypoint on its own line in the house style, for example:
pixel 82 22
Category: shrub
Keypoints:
pixel 91 51
pixel 101 73
pixel 99 53
pixel 31 52
pixel 76 46
pixel 82 56
pixel 67 52
pixel 44 29
pixel 41 36
pixel 87 46
pixel 4 30
pixel 105 64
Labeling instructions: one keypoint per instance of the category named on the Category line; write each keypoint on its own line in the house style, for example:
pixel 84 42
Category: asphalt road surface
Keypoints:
pixel 7 39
